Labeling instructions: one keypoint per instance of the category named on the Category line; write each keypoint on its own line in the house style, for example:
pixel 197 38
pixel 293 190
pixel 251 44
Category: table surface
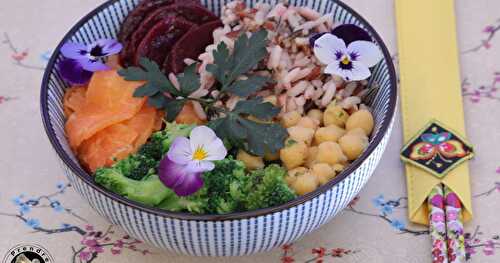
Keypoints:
pixel 35 194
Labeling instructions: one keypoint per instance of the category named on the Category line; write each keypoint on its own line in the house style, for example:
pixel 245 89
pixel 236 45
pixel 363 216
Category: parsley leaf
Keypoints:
pixel 172 108
pixel 222 63
pixel 243 88
pixel 189 80
pixel 264 137
pixel 256 137
pixel 248 52
pixel 255 107
pixel 156 81
pixel 157 84
pixel 158 100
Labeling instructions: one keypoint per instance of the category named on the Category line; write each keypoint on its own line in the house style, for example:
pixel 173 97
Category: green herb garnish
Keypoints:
pixel 248 52
pixel 157 84
pixel 248 125
pixel 245 127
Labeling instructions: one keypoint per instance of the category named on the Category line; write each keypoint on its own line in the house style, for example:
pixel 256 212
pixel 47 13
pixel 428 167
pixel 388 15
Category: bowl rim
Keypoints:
pixel 87 178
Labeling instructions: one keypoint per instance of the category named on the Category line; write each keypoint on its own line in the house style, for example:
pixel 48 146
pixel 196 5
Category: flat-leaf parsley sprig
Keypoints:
pixel 248 52
pixel 161 93
pixel 249 125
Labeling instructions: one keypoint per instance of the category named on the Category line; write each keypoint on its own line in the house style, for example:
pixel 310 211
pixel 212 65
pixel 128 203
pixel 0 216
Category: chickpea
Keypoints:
pixel 290 119
pixel 294 154
pixel 361 119
pixel 302 134
pixel 311 156
pixel 357 132
pixel 292 174
pixel 331 133
pixel 323 172
pixel 251 162
pixel 331 153
pixel 305 183
pixel 307 122
pixel 316 114
pixel 338 167
pixel 353 145
pixel 335 115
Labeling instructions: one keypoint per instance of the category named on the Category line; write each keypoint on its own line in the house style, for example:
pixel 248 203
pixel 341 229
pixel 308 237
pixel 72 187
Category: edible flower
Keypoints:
pixel 187 159
pixel 82 60
pixel 351 61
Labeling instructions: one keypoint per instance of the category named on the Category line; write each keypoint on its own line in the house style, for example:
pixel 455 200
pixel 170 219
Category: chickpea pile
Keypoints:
pixel 321 144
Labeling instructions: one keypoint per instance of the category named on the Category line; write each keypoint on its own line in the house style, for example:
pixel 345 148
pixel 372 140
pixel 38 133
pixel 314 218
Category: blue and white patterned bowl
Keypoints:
pixel 219 235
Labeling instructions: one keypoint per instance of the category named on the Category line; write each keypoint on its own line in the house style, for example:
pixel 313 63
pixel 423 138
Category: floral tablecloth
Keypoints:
pixel 37 205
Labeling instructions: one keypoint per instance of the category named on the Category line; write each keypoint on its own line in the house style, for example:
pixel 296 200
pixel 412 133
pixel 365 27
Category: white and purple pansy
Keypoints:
pixel 182 167
pixel 81 60
pixel 350 60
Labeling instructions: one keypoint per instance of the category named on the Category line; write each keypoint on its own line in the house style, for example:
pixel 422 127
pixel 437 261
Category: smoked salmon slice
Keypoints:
pixel 74 98
pixel 107 146
pixel 118 140
pixel 109 100
pixel 144 124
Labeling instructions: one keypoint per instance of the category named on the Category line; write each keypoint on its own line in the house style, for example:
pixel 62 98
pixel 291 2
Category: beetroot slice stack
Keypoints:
pixel 161 38
pixel 191 45
pixel 191 12
pixel 154 28
pixel 136 16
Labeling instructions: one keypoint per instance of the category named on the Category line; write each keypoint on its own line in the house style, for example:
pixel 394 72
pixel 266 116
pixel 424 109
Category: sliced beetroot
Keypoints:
pixel 191 45
pixel 161 38
pixel 191 12
pixel 141 11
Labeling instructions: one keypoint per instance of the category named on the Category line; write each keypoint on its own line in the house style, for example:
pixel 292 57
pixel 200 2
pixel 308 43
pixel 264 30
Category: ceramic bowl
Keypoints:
pixel 236 233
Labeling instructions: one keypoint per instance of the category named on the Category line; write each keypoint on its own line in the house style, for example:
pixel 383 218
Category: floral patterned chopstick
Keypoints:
pixel 454 227
pixel 437 225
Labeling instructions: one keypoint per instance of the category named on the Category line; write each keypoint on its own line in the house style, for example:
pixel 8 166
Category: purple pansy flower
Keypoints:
pixel 176 177
pixel 352 61
pixel 187 159
pixel 347 32
pixel 350 33
pixel 81 60
pixel 349 53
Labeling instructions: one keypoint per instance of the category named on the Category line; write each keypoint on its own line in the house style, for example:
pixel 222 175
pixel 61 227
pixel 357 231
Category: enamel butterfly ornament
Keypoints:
pixel 437 149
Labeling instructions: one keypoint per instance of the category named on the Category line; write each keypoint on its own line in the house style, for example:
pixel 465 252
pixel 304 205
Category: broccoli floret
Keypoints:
pixel 136 166
pixel 149 191
pixel 226 186
pixel 270 188
pixel 228 189
pixel 152 150
pixel 224 189
pixel 192 204
pixel 160 141
pixel 168 135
